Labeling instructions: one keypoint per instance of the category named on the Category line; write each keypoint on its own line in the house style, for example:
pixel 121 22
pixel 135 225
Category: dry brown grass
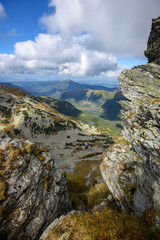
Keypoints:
pixel 104 225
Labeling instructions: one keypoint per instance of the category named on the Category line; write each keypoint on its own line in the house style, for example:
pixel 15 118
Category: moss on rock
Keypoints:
pixel 106 224
pixel 97 194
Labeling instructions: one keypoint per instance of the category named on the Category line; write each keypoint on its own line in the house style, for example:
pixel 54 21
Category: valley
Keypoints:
pixel 75 147
pixel 79 120
pixel 76 126
pixel 93 103
pixel 66 169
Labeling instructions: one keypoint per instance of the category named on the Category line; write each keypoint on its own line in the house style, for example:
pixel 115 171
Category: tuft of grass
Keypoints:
pixel 156 100
pixel 38 153
pixel 48 165
pixel 121 140
pixel 5 121
pixel 26 116
pixel 29 148
pixel 149 216
pixel 77 191
pixel 97 194
pixel 104 225
pixel 46 182
pixel 2 190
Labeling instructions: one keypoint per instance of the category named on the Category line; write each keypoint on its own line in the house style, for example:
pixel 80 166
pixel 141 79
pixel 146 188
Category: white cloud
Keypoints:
pixel 115 73
pixel 2 11
pixel 52 54
pixel 10 64
pixel 83 37
pixel 120 26
pixel 91 63
pixel 46 46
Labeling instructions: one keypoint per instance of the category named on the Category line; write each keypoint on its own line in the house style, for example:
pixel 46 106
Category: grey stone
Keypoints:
pixel 132 166
pixel 35 194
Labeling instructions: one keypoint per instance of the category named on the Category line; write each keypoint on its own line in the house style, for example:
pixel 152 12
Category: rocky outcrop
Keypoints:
pixel 32 192
pixel 131 168
pixel 153 45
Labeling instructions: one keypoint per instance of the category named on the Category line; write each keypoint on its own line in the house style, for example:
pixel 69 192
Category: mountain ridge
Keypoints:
pixel 48 87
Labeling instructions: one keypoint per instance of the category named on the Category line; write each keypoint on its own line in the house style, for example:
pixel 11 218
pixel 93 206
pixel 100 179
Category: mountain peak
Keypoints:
pixel 68 80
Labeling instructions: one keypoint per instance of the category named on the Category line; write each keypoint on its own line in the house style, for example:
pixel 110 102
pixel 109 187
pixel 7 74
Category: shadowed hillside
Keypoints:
pixel 111 108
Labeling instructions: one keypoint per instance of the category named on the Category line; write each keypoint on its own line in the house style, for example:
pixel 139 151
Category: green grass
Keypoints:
pixel 77 187
pixel 101 108
pixel 85 106
pixel 105 126
pixel 98 193
pixel 93 115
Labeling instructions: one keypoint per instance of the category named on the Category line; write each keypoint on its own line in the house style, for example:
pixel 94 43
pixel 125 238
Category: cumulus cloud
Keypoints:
pixel 10 64
pixel 91 63
pixel 83 37
pixel 2 11
pixel 120 26
pixel 115 73
pixel 53 54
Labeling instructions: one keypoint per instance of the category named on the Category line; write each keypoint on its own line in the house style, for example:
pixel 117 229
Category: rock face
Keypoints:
pixel 152 52
pixel 131 168
pixel 32 192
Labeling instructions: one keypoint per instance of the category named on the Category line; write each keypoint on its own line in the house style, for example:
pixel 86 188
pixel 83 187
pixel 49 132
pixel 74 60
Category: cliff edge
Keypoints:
pixel 131 168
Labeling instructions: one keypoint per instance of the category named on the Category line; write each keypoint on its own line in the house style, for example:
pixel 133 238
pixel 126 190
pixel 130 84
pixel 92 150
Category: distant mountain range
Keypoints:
pixel 75 98
pixel 8 84
pixel 48 88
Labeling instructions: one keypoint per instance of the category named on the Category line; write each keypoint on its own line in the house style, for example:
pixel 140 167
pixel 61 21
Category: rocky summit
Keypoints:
pixel 131 168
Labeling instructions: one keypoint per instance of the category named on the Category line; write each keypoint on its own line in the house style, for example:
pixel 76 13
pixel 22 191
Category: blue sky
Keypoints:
pixel 79 39
pixel 21 22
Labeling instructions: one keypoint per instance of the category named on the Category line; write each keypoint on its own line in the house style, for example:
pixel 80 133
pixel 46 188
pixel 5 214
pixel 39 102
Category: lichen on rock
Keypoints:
pixel 32 195
pixel 137 187
pixel 153 45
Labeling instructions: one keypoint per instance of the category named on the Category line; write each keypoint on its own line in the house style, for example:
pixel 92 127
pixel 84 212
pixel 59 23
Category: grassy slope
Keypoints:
pixel 63 107
pixel 91 102
pixel 105 126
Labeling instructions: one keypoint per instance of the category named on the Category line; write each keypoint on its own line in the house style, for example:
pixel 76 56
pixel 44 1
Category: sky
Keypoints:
pixel 77 39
